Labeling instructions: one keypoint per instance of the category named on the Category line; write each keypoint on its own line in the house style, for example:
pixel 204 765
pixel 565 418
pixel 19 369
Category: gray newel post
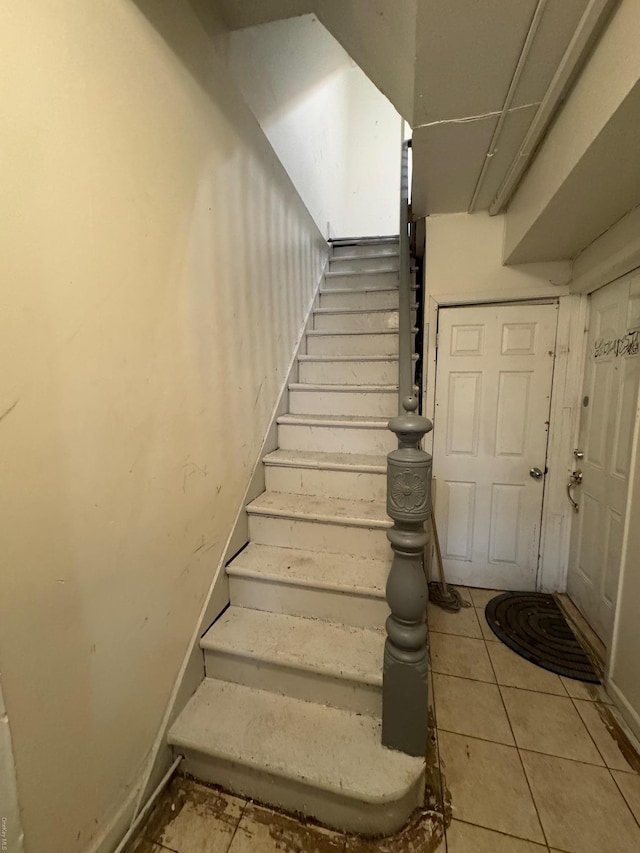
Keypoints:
pixel 404 690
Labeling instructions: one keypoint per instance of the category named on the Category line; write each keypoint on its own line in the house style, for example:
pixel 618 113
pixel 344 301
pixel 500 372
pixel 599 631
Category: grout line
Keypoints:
pixel 480 681
pixel 615 782
pixel 593 740
pixel 503 834
pixel 513 734
pixel 453 634
pixel 231 840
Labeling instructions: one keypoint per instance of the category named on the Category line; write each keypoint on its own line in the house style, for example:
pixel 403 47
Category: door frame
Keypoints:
pixel 557 515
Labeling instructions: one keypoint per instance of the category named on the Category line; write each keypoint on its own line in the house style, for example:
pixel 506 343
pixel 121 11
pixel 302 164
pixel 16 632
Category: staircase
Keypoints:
pixel 289 710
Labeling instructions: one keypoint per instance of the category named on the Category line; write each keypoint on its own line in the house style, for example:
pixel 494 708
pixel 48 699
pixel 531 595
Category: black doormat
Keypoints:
pixel 533 625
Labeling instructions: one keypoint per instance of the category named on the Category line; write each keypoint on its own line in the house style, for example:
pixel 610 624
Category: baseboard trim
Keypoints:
pixel 191 672
pixel 628 716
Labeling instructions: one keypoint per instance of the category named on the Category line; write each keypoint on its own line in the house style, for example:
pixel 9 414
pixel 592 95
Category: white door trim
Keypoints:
pixel 557 515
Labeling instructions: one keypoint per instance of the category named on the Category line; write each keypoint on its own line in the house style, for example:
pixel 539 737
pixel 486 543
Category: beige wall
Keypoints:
pixel 463 260
pixel 335 133
pixel 624 662
pixel 157 264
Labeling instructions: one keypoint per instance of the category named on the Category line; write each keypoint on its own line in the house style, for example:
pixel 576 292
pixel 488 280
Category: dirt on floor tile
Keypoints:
pixel 433 795
pixel 288 834
pixel 618 734
pixel 423 834
pixel 208 801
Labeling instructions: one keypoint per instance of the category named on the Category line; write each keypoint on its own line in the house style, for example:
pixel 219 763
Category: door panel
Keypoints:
pixel 493 390
pixel 610 391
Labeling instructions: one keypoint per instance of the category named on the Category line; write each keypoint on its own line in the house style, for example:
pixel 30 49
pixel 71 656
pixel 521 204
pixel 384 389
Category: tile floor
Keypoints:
pixel 520 761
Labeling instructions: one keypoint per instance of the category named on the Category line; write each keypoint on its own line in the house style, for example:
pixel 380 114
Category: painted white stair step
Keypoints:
pixel 352 343
pixel 316 584
pixel 340 475
pixel 348 370
pixel 364 279
pixel 327 287
pixel 355 319
pixel 376 261
pixel 377 401
pixel 299 756
pixel 310 659
pixel 336 434
pixel 326 524
pixel 363 299
pixel 341 250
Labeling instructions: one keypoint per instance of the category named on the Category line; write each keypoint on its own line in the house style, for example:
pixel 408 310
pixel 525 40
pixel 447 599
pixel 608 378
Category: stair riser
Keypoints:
pixel 352 345
pixel 364 263
pixel 360 282
pixel 350 485
pixel 365 300
pixel 326 604
pixel 336 439
pixel 295 796
pixel 367 404
pixel 349 372
pixel 312 535
pixel 368 249
pixel 298 683
pixel 376 321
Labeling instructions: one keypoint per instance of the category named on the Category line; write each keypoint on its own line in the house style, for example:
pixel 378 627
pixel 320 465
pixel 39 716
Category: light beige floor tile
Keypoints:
pixel 580 807
pixel 588 692
pixel 471 708
pixel 549 724
pixel 464 623
pixel 466 838
pixel 463 656
pixel 488 787
pixel 264 831
pixel 602 727
pixel 481 597
pixel 629 784
pixel 487 633
pixel 513 671
pixel 205 823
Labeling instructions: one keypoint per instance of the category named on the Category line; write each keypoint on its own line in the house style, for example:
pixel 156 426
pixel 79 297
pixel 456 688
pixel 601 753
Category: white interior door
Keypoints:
pixel 493 393
pixel 610 392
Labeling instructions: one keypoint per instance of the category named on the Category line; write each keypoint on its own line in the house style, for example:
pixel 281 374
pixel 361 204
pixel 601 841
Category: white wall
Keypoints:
pixel 464 260
pixel 335 133
pixel 463 265
pixel 157 264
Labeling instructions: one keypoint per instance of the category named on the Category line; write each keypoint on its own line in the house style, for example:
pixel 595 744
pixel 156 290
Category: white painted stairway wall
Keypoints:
pixel 289 711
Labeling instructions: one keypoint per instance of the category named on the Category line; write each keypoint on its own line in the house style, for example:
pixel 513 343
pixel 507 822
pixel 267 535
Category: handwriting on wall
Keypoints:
pixel 629 344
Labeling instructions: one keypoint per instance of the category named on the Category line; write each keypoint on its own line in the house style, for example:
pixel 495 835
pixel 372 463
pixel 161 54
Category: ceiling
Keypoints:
pixel 466 56
pixel 448 67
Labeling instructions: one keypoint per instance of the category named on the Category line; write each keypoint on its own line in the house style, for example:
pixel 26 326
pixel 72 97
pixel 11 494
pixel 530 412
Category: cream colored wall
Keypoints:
pixel 463 265
pixel 623 669
pixel 157 264
pixel 464 260
pixel 335 133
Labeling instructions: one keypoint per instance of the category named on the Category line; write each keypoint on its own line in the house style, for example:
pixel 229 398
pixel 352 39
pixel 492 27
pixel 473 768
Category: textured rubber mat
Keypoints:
pixel 533 625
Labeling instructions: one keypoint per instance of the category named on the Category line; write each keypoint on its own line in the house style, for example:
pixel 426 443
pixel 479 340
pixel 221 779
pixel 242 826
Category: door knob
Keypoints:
pixel 578 454
pixel 536 474
pixel 574 480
